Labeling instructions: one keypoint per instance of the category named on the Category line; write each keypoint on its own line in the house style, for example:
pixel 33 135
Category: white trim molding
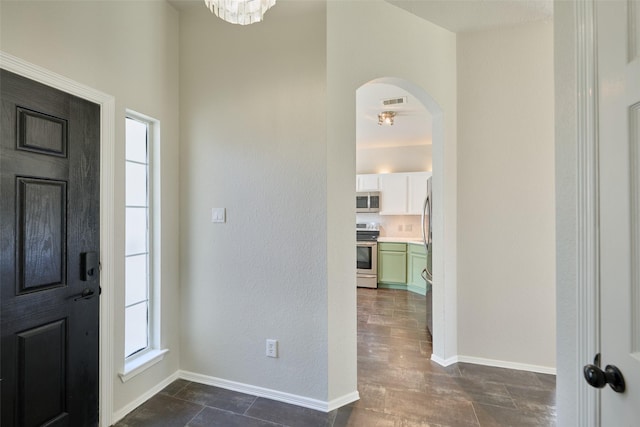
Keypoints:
pixel 120 414
pixel 494 363
pixel 107 143
pixel 141 363
pixel 444 362
pixel 342 401
pixel 306 402
pixel 588 254
pixel 507 365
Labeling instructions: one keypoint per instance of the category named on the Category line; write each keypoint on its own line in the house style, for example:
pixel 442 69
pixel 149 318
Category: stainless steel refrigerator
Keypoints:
pixel 427 227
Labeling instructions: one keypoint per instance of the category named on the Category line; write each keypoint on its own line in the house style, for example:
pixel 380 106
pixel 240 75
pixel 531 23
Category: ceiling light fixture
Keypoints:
pixel 243 12
pixel 386 118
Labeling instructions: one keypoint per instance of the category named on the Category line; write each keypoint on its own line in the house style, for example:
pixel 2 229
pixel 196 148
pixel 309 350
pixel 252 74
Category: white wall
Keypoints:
pixel 412 158
pixel 253 134
pixel 506 224
pixel 128 50
pixel 424 55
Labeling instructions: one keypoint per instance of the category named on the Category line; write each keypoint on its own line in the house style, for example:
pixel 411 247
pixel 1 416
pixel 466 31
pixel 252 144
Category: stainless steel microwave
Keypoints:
pixel 368 201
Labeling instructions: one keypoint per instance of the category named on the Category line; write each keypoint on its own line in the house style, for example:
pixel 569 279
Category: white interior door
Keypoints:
pixel 618 29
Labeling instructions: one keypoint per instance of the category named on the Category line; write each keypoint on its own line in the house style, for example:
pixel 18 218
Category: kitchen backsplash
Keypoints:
pixel 393 225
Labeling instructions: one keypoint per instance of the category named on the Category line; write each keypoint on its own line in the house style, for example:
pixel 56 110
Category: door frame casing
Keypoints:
pixel 107 273
pixel 587 209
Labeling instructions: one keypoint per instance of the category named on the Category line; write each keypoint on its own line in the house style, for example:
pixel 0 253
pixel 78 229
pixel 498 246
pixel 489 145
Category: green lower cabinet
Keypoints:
pixel 417 260
pixel 400 266
pixel 392 265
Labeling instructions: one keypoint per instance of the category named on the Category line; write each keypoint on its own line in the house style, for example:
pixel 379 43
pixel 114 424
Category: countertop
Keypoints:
pixel 411 240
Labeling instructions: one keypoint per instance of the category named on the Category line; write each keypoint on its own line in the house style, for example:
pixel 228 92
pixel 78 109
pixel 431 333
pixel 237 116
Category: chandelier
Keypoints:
pixel 241 12
pixel 386 118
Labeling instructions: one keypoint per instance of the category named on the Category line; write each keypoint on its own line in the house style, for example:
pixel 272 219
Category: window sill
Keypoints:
pixel 141 363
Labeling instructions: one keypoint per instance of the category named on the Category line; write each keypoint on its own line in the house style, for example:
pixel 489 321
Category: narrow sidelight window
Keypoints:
pixel 138 235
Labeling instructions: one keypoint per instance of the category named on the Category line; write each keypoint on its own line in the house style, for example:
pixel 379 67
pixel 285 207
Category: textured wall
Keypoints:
pixel 506 262
pixel 253 110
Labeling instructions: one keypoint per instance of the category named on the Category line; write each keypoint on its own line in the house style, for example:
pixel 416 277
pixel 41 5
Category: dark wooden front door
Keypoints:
pixel 49 247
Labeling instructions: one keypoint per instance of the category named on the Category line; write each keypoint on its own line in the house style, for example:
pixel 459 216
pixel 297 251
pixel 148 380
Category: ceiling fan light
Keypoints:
pixel 386 118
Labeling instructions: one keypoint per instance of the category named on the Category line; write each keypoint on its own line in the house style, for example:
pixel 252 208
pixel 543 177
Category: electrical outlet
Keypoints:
pixel 272 348
pixel 408 227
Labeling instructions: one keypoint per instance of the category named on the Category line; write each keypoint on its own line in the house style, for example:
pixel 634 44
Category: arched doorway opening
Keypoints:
pixel 441 300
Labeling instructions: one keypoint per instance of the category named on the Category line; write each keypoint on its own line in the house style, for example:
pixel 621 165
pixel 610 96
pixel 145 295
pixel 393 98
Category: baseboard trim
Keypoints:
pixel 392 286
pixel 342 401
pixel 444 362
pixel 417 290
pixel 120 414
pixel 508 365
pixel 306 402
pixel 495 363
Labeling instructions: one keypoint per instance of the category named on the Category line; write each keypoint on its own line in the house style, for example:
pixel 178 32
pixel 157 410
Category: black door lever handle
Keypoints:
pixel 87 293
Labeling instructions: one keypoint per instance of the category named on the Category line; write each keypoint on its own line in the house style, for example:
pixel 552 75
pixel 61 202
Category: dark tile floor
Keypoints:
pixel 399 386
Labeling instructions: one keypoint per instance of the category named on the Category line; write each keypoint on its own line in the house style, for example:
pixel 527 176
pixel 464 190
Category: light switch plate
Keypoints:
pixel 218 215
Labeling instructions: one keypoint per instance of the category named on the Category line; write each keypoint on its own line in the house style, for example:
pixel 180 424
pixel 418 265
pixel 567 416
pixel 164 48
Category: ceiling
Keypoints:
pixel 412 124
pixel 475 15
pixel 184 4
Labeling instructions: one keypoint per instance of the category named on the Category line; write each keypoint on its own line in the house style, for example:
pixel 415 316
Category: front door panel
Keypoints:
pixel 49 208
pixel 41 206
pixel 42 374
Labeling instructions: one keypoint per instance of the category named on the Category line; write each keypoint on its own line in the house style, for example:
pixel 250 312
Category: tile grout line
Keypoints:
pixel 475 414
pixel 255 398
pixel 195 416
pixel 182 388
pixel 216 407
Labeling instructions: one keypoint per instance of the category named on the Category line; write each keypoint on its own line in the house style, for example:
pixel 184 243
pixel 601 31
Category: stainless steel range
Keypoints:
pixel 367 255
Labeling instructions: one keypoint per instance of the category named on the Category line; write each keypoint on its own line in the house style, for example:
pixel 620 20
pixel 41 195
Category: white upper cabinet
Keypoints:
pixel 417 192
pixel 367 182
pixel 403 193
pixel 394 190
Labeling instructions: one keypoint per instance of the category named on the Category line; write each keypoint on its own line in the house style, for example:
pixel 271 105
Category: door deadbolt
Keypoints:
pixel 88 266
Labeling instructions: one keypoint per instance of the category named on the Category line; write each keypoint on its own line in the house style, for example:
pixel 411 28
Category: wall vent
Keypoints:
pixel 395 101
